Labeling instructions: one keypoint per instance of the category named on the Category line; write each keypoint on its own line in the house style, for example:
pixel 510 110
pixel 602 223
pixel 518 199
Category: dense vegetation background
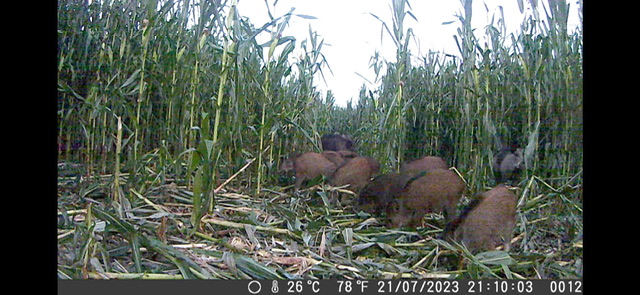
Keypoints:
pixel 172 121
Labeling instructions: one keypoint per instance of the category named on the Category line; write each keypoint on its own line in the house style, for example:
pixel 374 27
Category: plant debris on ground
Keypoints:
pixel 278 235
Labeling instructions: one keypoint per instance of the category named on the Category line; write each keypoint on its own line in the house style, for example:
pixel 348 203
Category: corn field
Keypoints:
pixel 173 121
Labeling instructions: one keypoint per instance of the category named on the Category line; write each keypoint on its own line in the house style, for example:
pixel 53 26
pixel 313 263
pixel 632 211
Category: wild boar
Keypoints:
pixel 438 190
pixel 507 165
pixel 376 195
pixel 356 173
pixel 337 142
pixel 488 223
pixel 424 164
pixel 308 166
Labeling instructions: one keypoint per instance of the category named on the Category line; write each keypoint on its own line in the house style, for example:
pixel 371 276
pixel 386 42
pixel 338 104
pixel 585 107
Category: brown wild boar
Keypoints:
pixel 356 173
pixel 424 164
pixel 308 166
pixel 337 142
pixel 507 165
pixel 378 194
pixel 438 190
pixel 487 225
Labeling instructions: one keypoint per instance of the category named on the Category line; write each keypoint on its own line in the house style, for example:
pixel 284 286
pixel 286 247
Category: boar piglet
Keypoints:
pixel 356 173
pixel 487 225
pixel 378 194
pixel 424 164
pixel 337 142
pixel 507 165
pixel 308 166
pixel 438 190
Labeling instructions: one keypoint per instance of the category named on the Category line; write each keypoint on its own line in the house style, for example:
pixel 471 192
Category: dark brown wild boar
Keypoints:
pixel 308 166
pixel 424 164
pixel 438 190
pixel 488 224
pixel 337 142
pixel 507 165
pixel 378 194
pixel 356 173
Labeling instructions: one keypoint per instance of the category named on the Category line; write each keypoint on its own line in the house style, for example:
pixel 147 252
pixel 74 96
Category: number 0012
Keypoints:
pixel 565 287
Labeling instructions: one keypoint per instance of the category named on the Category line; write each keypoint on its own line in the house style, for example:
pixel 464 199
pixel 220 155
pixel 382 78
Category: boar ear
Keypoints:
pixel 348 138
pixel 472 204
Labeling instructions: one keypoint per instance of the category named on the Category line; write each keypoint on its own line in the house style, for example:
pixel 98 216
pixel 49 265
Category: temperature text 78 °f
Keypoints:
pixel 350 286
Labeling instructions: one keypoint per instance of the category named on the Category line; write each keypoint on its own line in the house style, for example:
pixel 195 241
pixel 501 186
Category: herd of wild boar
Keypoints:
pixel 426 185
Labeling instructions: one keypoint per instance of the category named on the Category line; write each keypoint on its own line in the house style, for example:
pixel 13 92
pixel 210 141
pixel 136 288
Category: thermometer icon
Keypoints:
pixel 274 287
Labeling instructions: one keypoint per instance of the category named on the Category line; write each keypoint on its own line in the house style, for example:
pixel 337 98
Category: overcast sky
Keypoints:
pixel 351 35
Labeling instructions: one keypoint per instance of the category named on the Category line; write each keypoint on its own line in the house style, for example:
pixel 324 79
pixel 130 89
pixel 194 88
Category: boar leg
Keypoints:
pixel 298 184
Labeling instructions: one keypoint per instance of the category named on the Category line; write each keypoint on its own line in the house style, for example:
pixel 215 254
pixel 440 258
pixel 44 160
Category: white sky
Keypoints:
pixel 352 36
